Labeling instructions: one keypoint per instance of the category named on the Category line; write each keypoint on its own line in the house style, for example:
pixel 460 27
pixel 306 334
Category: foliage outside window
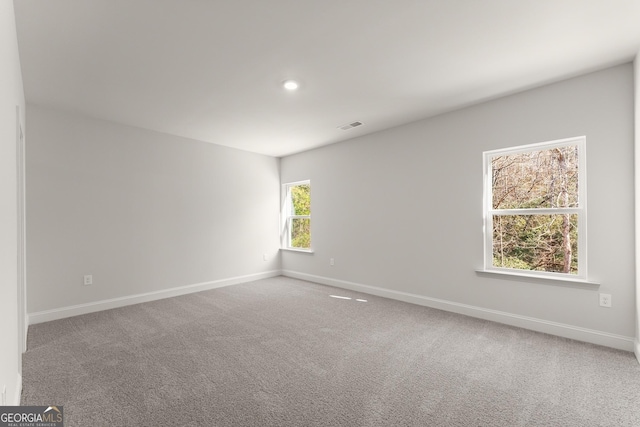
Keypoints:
pixel 298 215
pixel 535 208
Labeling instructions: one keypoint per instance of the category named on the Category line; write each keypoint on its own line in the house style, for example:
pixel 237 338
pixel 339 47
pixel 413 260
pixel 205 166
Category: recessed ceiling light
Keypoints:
pixel 290 84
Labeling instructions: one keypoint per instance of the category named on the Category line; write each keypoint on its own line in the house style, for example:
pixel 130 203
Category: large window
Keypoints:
pixel 297 215
pixel 535 209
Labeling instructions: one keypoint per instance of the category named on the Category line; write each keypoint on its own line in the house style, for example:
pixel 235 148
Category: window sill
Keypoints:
pixel 304 251
pixel 525 276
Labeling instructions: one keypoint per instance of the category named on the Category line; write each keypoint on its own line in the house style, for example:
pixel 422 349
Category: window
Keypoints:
pixel 297 215
pixel 535 209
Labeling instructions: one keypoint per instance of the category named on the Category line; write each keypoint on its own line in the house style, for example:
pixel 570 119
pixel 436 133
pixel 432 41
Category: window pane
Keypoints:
pixel 536 179
pixel 301 199
pixel 301 233
pixel 536 242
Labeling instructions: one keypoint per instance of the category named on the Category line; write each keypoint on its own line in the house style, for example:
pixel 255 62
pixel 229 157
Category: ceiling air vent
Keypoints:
pixel 350 125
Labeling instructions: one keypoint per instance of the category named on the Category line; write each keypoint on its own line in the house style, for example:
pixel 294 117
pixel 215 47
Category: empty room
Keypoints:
pixel 320 213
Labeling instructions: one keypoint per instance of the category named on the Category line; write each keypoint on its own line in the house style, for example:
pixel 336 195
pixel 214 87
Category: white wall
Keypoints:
pixel 11 95
pixel 637 194
pixel 401 210
pixel 143 212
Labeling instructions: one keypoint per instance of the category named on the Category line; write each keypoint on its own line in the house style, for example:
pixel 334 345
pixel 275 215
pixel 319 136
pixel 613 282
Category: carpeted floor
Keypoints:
pixel 282 352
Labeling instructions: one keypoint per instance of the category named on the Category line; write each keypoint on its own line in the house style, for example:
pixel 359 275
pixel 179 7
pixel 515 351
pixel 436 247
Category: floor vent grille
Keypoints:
pixel 350 126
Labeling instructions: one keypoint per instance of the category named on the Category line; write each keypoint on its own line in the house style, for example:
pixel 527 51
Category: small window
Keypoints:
pixel 297 215
pixel 535 209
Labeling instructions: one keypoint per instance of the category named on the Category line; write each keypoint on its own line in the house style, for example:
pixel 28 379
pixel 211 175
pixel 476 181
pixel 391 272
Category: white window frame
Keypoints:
pixel 287 216
pixel 581 210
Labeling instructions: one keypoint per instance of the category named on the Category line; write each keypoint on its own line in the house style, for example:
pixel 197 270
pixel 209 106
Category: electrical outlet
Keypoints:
pixel 264 257
pixel 331 261
pixel 88 280
pixel 605 300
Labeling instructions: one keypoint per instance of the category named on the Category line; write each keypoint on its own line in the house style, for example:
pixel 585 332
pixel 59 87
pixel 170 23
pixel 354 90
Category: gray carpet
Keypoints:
pixel 282 352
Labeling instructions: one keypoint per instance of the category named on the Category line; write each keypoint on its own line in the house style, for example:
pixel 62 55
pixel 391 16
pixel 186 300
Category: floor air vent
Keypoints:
pixel 350 125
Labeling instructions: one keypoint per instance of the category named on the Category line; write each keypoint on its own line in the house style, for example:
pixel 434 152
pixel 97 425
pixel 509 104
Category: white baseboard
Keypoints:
pixel 76 310
pixel 18 394
pixel 539 325
pixel 26 332
pixel 637 349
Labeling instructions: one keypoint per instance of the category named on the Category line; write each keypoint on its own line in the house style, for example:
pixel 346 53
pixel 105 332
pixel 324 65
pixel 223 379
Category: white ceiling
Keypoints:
pixel 211 69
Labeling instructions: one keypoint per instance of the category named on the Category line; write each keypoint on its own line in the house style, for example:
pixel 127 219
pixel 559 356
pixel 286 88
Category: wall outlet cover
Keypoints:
pixel 605 300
